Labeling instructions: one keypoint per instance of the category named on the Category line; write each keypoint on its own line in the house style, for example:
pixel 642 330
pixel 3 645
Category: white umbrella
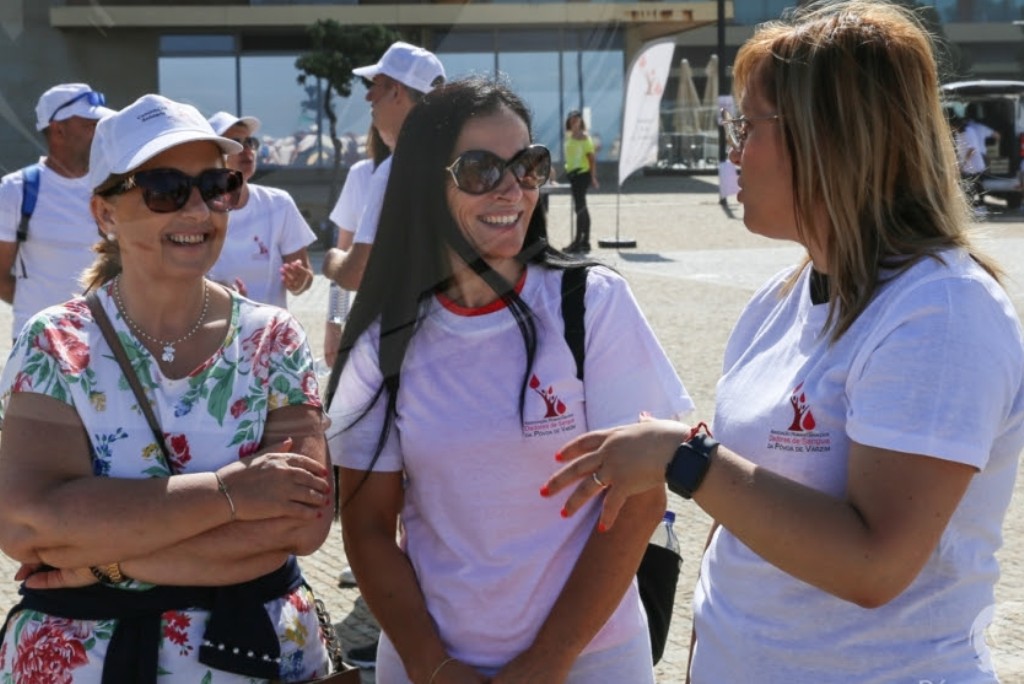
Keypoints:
pixel 710 119
pixel 687 101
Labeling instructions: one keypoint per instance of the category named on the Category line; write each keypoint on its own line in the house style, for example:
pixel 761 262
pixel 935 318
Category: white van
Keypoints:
pixel 1000 106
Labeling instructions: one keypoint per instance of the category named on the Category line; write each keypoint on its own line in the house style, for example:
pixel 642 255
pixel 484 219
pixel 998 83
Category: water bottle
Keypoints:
pixel 665 534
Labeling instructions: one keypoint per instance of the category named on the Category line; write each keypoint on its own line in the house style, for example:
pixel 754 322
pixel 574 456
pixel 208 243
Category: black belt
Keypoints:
pixel 239 636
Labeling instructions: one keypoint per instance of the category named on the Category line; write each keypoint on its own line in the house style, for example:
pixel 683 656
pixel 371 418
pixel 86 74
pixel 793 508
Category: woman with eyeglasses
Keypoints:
pixel 456 385
pixel 265 253
pixel 870 418
pixel 170 554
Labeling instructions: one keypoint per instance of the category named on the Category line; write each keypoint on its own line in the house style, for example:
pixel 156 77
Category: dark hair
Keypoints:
pixel 409 261
pixel 572 115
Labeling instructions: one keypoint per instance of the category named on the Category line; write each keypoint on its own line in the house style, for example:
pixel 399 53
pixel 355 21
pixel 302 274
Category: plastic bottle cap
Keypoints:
pixel 669 517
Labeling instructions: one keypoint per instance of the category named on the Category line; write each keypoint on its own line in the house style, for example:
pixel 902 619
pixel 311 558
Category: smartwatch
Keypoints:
pixel 689 465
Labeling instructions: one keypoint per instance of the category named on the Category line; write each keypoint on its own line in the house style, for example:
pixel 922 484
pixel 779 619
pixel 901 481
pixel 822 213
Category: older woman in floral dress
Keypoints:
pixel 177 558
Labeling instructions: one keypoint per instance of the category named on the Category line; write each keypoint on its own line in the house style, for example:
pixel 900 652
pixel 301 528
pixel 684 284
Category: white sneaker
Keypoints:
pixel 347 577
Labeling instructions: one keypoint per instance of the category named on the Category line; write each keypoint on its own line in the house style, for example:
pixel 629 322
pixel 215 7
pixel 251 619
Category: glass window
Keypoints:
pixel 291 113
pixel 208 83
pixel 534 76
pixel 198 43
pixel 603 89
pixel 467 53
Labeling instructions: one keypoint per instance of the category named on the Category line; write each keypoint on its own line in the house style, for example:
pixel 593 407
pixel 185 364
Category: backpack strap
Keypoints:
pixel 574 289
pixel 29 195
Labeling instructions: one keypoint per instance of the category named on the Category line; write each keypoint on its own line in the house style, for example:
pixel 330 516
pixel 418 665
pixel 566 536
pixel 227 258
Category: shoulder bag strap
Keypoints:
pixel 103 321
pixel 574 289
pixel 29 195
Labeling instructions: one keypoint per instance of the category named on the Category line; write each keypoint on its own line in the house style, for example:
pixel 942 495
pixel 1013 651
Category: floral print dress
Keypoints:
pixel 210 418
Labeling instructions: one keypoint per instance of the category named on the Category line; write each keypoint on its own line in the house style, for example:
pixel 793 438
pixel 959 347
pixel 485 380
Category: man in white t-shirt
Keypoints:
pixel 43 268
pixel 395 85
pixel 265 252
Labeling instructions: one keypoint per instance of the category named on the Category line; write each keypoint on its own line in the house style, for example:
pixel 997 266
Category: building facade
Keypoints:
pixel 238 55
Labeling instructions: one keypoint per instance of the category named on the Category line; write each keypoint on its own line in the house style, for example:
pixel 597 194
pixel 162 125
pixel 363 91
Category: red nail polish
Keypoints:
pixel 544 491
pixel 601 527
pixel 558 456
pixel 565 513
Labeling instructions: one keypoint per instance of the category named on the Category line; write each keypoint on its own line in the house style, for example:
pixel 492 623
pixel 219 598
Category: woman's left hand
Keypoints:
pixel 296 276
pixel 627 460
pixel 53 578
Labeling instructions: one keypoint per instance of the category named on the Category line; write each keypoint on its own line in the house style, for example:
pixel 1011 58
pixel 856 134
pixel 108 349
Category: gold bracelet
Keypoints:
pixel 108 574
pixel 223 489
pixel 438 669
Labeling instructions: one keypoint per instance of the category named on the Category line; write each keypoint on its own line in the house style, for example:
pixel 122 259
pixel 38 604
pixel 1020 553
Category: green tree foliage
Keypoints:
pixel 335 51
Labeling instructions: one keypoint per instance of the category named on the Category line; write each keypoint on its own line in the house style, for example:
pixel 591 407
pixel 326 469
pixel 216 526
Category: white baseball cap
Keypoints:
pixel 67 100
pixel 152 124
pixel 409 65
pixel 222 121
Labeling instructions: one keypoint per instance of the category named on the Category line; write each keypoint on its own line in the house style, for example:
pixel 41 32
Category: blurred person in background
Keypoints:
pixel 265 253
pixel 345 216
pixel 41 267
pixel 394 85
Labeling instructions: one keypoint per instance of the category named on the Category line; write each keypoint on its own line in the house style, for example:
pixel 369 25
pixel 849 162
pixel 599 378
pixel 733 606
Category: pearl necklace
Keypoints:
pixel 168 347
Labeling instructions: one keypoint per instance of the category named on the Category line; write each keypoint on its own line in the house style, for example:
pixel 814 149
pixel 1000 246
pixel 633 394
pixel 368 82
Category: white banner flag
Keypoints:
pixel 641 112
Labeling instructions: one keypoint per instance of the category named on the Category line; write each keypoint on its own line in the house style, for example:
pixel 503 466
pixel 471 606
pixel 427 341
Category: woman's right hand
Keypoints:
pixel 276 483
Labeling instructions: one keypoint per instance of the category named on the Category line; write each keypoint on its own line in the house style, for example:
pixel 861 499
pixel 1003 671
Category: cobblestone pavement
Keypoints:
pixel 693 269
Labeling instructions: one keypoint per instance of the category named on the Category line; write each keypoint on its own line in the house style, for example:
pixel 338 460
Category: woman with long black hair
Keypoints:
pixel 456 385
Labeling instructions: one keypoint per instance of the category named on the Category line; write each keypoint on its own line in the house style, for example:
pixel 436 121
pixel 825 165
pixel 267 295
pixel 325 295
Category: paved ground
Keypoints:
pixel 693 269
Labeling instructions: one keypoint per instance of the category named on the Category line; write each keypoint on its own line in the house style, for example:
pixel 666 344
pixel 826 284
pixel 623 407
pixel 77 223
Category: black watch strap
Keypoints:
pixel 689 465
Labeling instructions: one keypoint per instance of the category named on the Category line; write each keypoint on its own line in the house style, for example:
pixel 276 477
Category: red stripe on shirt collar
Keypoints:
pixel 497 305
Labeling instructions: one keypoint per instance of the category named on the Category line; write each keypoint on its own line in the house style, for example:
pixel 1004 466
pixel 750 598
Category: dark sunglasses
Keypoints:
pixel 252 142
pixel 167 190
pixel 95 99
pixel 367 83
pixel 477 172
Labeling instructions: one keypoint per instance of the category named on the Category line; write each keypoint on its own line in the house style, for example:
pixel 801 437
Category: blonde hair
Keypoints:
pixel 107 264
pixel 856 85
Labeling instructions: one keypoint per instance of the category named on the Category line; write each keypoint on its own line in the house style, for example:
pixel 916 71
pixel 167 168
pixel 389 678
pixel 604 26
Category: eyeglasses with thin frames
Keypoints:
pixel 95 99
pixel 737 128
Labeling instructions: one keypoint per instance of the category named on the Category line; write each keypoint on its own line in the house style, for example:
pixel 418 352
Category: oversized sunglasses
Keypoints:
pixel 168 190
pixel 477 172
pixel 252 142
pixel 95 99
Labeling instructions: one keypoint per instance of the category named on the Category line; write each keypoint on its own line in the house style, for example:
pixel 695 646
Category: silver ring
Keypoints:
pixel 597 480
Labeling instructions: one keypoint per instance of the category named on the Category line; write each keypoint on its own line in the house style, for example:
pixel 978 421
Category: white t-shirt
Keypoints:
pixel 933 366
pixel 61 234
pixel 349 207
pixel 969 153
pixel 491 555
pixel 367 230
pixel 259 235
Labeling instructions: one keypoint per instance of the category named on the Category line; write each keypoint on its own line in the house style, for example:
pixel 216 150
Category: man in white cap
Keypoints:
pixel 44 248
pixel 395 85
pixel 265 251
